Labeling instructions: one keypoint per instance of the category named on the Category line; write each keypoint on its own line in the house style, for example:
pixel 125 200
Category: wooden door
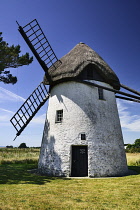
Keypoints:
pixel 79 161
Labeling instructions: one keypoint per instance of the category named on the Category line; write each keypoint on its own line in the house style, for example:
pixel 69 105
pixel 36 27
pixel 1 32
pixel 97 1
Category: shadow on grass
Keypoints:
pixel 134 168
pixel 19 174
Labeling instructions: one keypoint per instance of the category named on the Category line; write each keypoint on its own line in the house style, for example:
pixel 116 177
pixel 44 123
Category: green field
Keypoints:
pixel 20 189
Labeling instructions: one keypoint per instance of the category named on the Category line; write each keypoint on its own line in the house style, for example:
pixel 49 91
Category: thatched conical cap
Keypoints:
pixel 74 62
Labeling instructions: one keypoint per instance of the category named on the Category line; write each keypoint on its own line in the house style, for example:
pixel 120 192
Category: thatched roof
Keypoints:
pixel 75 62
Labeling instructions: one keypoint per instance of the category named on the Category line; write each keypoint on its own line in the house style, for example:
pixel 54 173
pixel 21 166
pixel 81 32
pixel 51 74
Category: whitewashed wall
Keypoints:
pixel 82 112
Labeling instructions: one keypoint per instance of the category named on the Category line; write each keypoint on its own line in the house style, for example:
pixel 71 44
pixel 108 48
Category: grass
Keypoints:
pixel 16 155
pixel 133 159
pixel 20 189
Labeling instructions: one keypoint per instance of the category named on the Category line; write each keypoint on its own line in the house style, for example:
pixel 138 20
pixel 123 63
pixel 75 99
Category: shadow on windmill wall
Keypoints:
pixel 49 160
pixel 77 95
pixel 60 99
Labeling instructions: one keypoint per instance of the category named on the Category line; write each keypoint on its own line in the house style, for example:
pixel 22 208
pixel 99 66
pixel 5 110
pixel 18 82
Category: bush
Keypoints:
pixel 133 147
pixel 137 143
pixel 133 150
pixel 22 145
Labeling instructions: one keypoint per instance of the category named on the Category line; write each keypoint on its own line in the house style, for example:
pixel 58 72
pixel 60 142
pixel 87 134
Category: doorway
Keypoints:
pixel 79 166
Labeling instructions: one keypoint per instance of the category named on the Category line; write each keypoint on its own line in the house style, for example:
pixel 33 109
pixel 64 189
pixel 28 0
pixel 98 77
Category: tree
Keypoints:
pixel 137 143
pixel 22 145
pixel 9 58
pixel 133 147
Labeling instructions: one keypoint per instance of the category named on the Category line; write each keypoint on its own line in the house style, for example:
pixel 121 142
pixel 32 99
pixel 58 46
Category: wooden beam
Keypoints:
pixel 109 89
pixel 130 89
pixel 128 99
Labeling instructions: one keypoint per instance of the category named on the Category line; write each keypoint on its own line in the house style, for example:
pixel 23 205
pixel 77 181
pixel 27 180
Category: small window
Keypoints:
pixel 83 136
pixel 59 115
pixel 101 93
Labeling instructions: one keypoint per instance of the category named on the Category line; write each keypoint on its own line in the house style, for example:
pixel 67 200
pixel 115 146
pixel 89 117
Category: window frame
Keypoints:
pixel 83 136
pixel 59 116
pixel 101 93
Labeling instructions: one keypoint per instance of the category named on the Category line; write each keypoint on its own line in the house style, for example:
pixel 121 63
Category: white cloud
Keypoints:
pixel 6 95
pixel 5 116
pixel 7 111
pixel 128 120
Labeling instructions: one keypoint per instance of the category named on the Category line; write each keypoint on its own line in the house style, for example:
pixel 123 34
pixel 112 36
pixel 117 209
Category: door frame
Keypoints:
pixel 72 157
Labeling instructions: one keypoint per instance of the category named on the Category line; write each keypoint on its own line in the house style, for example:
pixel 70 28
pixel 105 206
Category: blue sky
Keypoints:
pixel 110 27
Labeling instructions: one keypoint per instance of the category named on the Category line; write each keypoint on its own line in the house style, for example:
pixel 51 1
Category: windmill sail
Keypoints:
pixel 30 107
pixel 39 45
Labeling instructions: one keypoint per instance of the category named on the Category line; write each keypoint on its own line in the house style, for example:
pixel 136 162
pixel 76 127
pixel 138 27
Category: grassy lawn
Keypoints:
pixel 15 155
pixel 20 189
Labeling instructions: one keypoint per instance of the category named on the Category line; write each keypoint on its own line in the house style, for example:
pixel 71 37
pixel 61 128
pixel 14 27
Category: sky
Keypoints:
pixel 110 27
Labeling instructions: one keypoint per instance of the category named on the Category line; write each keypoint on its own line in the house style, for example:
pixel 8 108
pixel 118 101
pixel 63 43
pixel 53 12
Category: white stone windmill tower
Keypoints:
pixel 82 133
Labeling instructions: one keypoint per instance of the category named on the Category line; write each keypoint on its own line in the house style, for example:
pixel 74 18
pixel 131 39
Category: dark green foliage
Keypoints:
pixel 9 58
pixel 137 143
pixel 133 150
pixel 22 145
pixel 133 147
pixel 9 146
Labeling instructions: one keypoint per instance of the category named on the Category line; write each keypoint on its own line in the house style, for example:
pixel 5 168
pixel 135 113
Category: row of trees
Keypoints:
pixel 130 147
pixel 133 147
pixel 22 145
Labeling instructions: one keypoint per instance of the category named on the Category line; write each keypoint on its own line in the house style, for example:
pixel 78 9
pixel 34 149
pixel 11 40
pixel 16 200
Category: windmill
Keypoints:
pixel 82 133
